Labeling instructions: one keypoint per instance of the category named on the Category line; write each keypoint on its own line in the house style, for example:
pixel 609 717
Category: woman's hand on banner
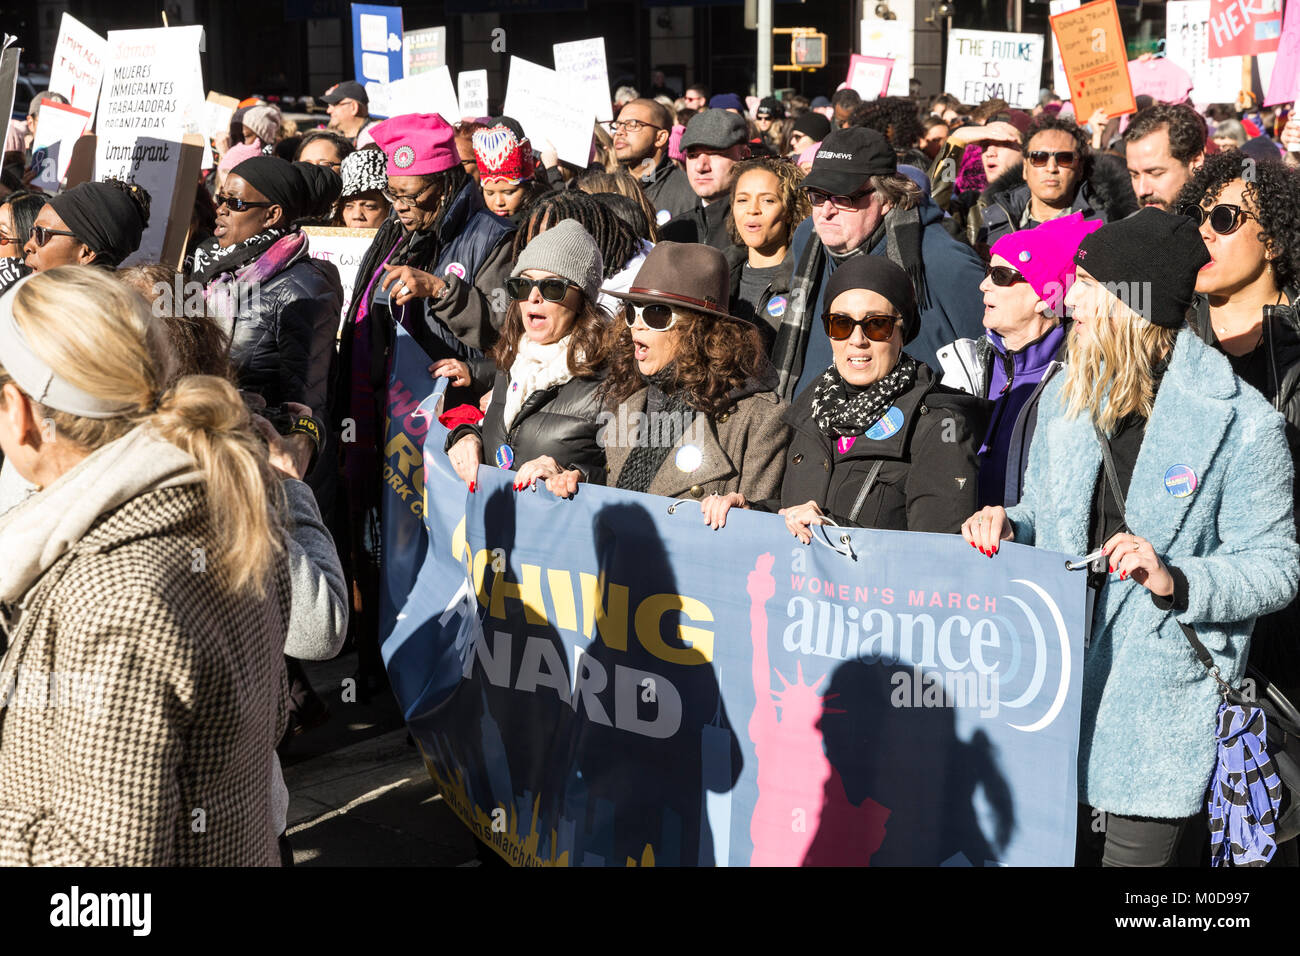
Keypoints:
pixel 715 508
pixel 451 368
pixel 799 518
pixel 565 484
pixel 406 283
pixel 465 456
pixel 543 467
pixel 1135 558
pixel 987 528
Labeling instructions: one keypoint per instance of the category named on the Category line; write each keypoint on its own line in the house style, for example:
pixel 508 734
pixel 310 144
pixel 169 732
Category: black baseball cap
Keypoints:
pixel 347 90
pixel 772 106
pixel 847 158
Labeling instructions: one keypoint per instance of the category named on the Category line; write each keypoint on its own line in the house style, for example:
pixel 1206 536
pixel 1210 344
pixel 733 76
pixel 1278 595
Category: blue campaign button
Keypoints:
pixel 505 457
pixel 1180 481
pixel 776 306
pixel 887 424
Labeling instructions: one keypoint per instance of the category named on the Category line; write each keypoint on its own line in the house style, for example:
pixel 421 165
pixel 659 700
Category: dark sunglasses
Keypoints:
pixel 817 197
pixel 877 326
pixel 41 234
pixel 1064 158
pixel 1004 275
pixel 658 318
pixel 1225 218
pixel 552 288
pixel 240 205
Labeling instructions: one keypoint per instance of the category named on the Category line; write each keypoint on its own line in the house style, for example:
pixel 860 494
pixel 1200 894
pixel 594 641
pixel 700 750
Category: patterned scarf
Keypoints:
pixel 1245 792
pixel 235 284
pixel 210 260
pixel 667 415
pixel 839 409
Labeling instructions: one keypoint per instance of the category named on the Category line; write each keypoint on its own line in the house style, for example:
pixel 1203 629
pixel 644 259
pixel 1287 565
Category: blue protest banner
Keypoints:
pixel 376 49
pixel 607 681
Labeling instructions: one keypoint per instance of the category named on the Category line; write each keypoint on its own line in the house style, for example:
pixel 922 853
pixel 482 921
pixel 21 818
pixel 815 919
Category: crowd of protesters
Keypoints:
pixel 1074 333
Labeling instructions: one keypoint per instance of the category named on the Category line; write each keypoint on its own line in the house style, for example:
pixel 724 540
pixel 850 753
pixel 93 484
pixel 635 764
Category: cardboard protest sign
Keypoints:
pixel 376 50
pixel 542 103
pixel 1095 59
pixel 9 73
pixel 429 92
pixel 869 75
pixel 582 65
pixel 892 40
pixel 58 128
pixel 1187 43
pixel 77 68
pixel 343 247
pixel 1161 79
pixel 1244 27
pixel 472 92
pixel 1285 84
pixel 423 50
pixel 218 113
pixel 1060 85
pixel 983 65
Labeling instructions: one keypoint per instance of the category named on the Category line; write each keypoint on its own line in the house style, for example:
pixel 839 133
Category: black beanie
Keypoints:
pixel 1153 256
pixel 303 189
pixel 812 124
pixel 109 217
pixel 880 275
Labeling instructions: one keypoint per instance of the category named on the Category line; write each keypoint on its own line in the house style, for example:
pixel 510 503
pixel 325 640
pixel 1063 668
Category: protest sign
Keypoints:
pixel 9 73
pixel 1159 78
pixel 77 67
pixel 218 112
pixel 429 92
pixel 869 75
pixel 1284 86
pixel 151 104
pixel 1187 43
pixel 1095 59
pixel 343 247
pixel 983 64
pixel 58 128
pixel 376 50
pixel 892 40
pixel 1244 27
pixel 472 92
pixel 423 50
pixel 542 103
pixel 581 63
pixel 1060 85
pixel 607 681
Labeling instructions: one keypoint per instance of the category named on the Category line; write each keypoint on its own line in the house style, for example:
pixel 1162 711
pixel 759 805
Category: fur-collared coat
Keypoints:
pixel 1147 739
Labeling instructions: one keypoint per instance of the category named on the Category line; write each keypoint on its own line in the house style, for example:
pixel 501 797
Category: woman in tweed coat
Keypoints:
pixel 144 590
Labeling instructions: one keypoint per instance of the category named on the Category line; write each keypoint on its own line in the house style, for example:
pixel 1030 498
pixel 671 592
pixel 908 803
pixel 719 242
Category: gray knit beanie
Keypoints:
pixel 567 250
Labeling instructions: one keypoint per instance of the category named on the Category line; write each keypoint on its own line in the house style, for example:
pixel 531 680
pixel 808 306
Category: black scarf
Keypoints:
pixel 666 420
pixel 210 260
pixel 841 409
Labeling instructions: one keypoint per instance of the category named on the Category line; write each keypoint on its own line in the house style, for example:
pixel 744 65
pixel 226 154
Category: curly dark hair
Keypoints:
pixel 1186 129
pixel 789 177
pixel 894 117
pixel 714 357
pixel 586 347
pixel 1271 188
pixel 1047 122
pixel 617 241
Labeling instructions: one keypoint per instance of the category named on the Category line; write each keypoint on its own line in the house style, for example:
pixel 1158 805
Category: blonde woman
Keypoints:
pixel 1204 535
pixel 144 592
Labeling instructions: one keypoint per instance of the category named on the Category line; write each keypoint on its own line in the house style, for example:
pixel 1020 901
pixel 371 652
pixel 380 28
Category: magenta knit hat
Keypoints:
pixel 416 144
pixel 1045 254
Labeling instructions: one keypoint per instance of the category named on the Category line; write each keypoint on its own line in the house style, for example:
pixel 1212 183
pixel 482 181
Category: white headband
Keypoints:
pixel 38 380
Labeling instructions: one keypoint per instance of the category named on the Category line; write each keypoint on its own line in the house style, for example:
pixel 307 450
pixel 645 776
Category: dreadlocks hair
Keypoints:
pixel 894 117
pixel 617 241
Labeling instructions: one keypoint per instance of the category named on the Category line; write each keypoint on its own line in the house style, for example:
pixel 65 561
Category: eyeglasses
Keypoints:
pixel 1003 275
pixel 405 200
pixel 325 162
pixel 763 114
pixel 552 288
pixel 41 234
pixel 658 318
pixel 1064 158
pixel 1225 218
pixel 240 205
pixel 631 126
pixel 877 326
pixel 817 197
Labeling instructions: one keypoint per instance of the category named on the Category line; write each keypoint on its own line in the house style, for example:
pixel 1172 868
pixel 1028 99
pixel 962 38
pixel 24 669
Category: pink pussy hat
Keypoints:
pixel 1044 255
pixel 417 144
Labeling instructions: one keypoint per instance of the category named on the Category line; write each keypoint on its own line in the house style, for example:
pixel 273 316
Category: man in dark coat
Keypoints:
pixel 714 142
pixel 641 133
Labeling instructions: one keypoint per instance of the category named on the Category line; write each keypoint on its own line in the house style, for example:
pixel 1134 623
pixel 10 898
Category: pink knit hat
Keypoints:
pixel 237 154
pixel 1045 254
pixel 416 144
pixel 675 143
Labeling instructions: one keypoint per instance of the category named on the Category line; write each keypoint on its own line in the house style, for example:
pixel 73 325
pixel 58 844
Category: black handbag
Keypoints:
pixel 1281 717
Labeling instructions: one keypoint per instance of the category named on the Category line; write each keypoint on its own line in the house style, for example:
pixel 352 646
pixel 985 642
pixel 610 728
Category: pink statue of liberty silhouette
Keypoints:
pixel 799 792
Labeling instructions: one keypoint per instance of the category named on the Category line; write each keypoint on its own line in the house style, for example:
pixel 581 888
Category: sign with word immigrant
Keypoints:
pixel 1095 59
pixel 544 105
pixel 983 65
pixel 1244 27
pixel 606 681
pixel 1187 43
pixel 581 64
pixel 77 67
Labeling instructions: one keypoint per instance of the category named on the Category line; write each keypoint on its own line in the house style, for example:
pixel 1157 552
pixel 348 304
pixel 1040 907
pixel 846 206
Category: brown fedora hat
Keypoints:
pixel 687 274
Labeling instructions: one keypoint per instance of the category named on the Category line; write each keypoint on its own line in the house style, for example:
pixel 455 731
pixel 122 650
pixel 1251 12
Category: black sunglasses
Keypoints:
pixel 657 317
pixel 817 197
pixel 552 288
pixel 1225 218
pixel 41 234
pixel 1004 275
pixel 241 205
pixel 877 326
pixel 1064 158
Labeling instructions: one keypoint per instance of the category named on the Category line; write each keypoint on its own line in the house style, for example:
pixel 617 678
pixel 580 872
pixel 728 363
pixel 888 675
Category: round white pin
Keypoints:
pixel 688 458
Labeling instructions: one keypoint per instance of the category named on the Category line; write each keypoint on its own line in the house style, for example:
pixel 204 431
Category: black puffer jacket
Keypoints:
pixel 562 422
pixel 925 471
pixel 282 345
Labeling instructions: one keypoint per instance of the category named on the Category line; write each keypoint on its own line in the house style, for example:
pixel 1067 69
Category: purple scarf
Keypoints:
pixel 225 293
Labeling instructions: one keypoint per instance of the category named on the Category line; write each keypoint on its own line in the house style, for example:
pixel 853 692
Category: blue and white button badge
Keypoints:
pixel 888 423
pixel 505 457
pixel 1180 481
pixel 776 306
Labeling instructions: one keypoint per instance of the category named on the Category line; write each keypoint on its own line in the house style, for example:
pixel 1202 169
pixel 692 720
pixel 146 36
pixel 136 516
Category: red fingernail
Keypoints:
pixel 995 550
pixel 982 551
pixel 1123 575
pixel 471 487
pixel 972 544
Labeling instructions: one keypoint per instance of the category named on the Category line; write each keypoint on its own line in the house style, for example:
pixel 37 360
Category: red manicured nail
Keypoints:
pixel 471 487
pixel 995 550
pixel 1123 575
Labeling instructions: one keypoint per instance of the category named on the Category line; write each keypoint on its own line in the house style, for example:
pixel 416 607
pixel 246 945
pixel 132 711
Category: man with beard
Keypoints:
pixel 641 135
pixel 1163 146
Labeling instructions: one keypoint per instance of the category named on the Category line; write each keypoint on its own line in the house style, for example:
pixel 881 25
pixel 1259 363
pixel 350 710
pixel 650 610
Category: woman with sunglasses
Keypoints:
pixel 545 410
pixel 90 224
pixel 1246 307
pixel 1150 451
pixel 878 442
pixel 18 212
pixel 692 413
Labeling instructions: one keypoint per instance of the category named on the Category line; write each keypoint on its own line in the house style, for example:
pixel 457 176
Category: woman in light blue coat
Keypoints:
pixel 1205 533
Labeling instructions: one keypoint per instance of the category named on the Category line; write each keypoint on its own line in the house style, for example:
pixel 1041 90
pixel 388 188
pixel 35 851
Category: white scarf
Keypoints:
pixel 536 367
